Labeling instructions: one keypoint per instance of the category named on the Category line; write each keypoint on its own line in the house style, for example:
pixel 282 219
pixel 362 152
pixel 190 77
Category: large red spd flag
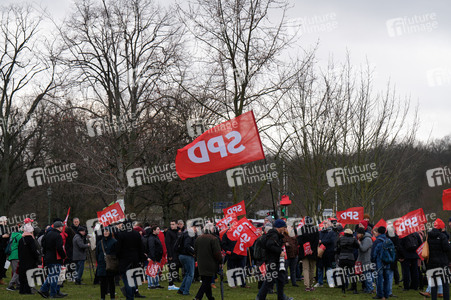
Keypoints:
pixel 410 223
pixel 229 144
pixel 351 215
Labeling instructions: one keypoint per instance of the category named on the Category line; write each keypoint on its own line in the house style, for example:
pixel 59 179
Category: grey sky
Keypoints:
pixel 414 53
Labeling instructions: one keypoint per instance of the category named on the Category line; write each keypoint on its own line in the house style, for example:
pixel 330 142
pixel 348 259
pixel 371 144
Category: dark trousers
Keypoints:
pixel 445 292
pixel 239 262
pixel 173 274
pixel 107 284
pixel 268 284
pixel 24 287
pixel 2 263
pixel 291 263
pixel 205 288
pixel 395 272
pixel 410 273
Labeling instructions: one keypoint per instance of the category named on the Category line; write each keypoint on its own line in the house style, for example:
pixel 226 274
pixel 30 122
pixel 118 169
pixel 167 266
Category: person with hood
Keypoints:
pixel 308 239
pixel 274 262
pixel 438 258
pixel 170 239
pixel 79 252
pixel 105 246
pixel 364 258
pixel 186 258
pixel 28 257
pixel 54 255
pixel 346 246
pixel 14 257
pixel 208 253
pixel 384 273
pixel 155 254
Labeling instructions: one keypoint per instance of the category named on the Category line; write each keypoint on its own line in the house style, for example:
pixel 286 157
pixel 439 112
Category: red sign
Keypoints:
pixel 307 249
pixel 228 219
pixel 381 223
pixel 238 209
pixel 246 239
pixel 153 268
pixel 446 199
pixel 236 230
pixel 352 215
pixel 111 214
pixel 419 250
pixel 410 223
pixel 229 144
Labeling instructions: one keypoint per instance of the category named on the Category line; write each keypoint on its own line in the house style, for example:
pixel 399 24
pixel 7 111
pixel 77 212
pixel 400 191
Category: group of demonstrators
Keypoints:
pixel 353 256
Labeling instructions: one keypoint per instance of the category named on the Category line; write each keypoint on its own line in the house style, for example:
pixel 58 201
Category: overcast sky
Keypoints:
pixel 406 41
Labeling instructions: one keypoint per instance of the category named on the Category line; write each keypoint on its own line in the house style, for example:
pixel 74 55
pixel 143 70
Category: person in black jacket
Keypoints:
pixel 275 272
pixel 28 257
pixel 130 253
pixel 233 260
pixel 155 254
pixel 346 246
pixel 409 260
pixel 438 255
pixel 106 245
pixel 170 238
pixel 186 257
pixel 54 255
pixel 308 239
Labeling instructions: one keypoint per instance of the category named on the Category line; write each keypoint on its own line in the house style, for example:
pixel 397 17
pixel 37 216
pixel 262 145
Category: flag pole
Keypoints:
pixel 272 194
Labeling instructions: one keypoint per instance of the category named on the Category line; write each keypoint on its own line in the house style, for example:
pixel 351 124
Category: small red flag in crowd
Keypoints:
pixel 446 199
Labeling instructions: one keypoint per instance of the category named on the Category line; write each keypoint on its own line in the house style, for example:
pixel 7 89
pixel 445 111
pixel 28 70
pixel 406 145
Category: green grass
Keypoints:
pixel 90 291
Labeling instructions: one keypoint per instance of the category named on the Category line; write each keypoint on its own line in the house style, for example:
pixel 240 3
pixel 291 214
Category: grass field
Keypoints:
pixel 90 291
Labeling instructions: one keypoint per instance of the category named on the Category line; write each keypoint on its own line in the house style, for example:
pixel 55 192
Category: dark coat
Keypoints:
pixel 129 250
pixel 308 234
pixel 228 245
pixel 110 248
pixel 329 240
pixel 188 244
pixel 291 246
pixel 52 243
pixel 438 249
pixel 28 253
pixel 208 252
pixel 69 246
pixel 155 247
pixel 346 246
pixel 273 246
pixel 170 238
pixel 409 253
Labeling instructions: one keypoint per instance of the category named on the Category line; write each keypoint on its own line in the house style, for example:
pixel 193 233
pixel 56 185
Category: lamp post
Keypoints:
pixel 49 197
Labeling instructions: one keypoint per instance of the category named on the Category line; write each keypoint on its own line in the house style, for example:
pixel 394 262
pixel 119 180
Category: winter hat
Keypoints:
pixel 348 231
pixel 280 223
pixel 28 228
pixel 391 231
pixel 439 224
pixel 364 223
pixel 366 216
pixel 381 230
pixel 360 230
pixel 81 228
pixel 57 224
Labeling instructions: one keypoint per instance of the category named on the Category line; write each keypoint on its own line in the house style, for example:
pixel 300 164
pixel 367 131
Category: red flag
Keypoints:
pixel 153 268
pixel 67 217
pixel 301 223
pixel 235 231
pixel 239 209
pixel 351 215
pixel 229 144
pixel 111 214
pixel 246 239
pixel 410 223
pixel 228 219
pixel 446 199
pixel 221 233
pixel 381 223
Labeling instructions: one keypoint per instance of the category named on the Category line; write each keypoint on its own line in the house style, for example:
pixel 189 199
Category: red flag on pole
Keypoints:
pixel 111 214
pixel 446 199
pixel 351 215
pixel 229 144
pixel 410 223
pixel 381 223
pixel 238 209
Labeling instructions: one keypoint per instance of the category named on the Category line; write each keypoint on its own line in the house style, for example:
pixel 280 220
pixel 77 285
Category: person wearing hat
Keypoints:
pixel 384 273
pixel 438 258
pixel 346 246
pixel 54 256
pixel 274 255
pixel 28 256
pixel 80 245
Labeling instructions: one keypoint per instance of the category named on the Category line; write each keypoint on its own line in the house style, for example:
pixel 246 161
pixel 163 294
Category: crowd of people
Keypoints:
pixel 367 256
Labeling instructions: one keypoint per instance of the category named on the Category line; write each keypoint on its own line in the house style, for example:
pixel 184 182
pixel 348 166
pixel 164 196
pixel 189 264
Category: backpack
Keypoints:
pixel 388 252
pixel 260 248
pixel 411 242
